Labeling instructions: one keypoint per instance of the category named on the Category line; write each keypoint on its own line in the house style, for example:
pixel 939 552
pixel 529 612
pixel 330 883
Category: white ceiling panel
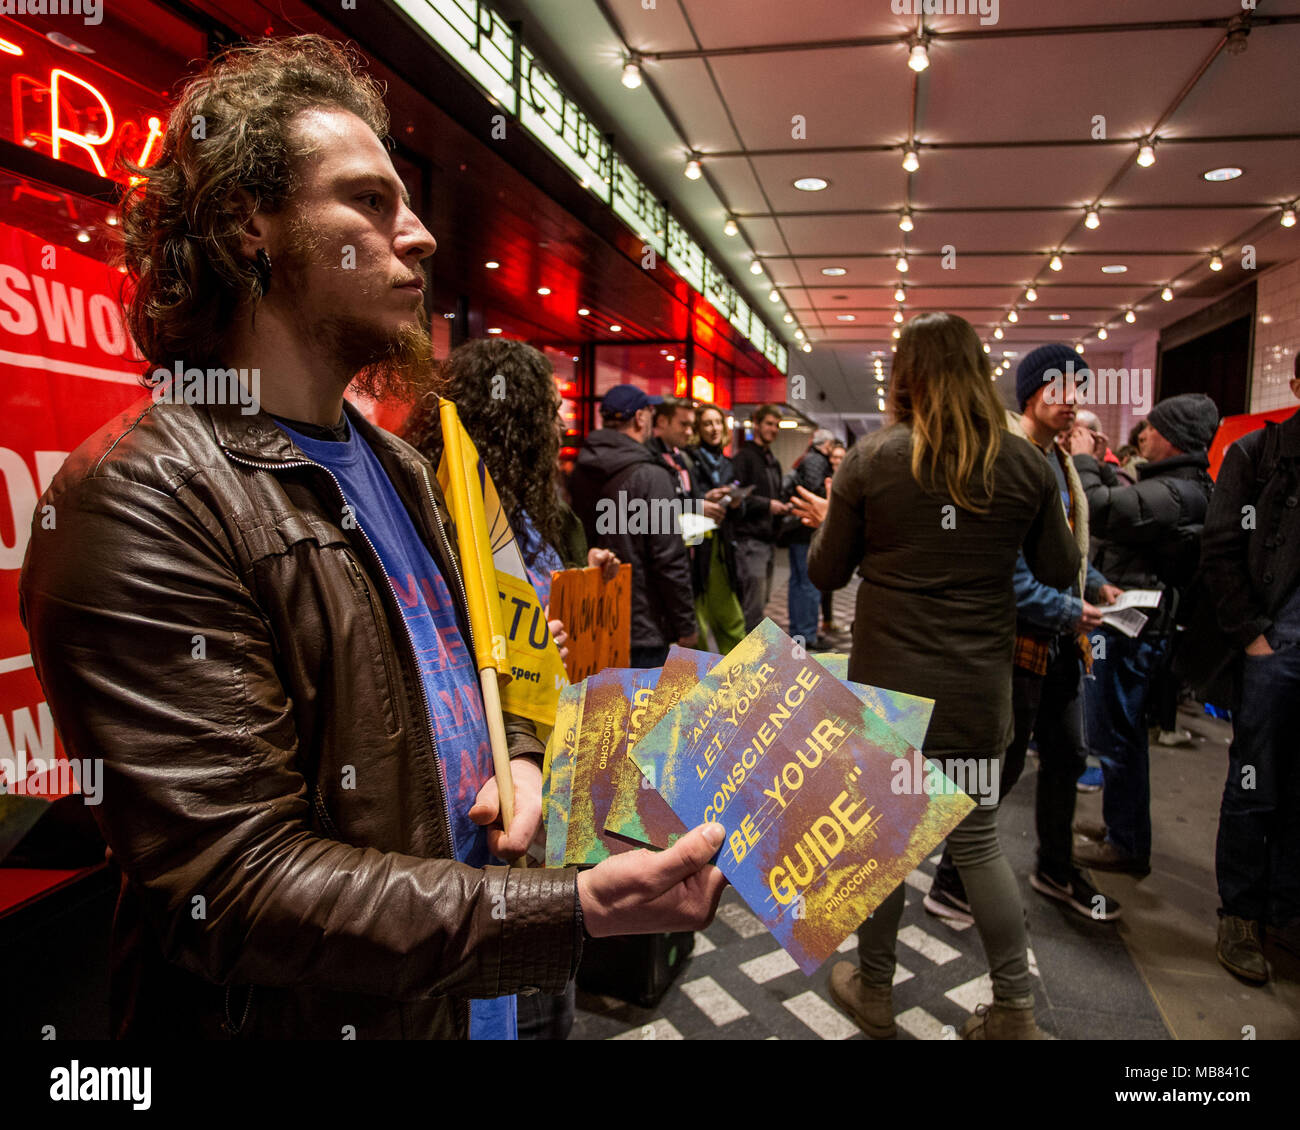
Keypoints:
pixel 692 97
pixel 742 23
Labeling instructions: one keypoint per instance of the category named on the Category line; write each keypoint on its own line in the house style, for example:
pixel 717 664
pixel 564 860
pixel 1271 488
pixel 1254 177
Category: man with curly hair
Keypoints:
pixel 258 621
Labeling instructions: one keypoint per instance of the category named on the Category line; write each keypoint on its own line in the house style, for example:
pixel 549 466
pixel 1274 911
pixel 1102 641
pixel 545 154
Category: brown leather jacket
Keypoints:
pixel 202 619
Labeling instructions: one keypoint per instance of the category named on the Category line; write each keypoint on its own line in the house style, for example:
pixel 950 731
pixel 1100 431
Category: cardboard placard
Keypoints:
pixel 597 614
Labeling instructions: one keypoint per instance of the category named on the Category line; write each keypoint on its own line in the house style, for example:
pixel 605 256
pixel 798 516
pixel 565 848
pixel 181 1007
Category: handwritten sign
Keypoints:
pixel 597 614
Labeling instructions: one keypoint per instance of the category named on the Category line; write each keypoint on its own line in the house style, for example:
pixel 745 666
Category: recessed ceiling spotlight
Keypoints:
pixel 1031 294
pixel 631 74
pixel 1113 269
pixel 543 290
pixel 1216 262
pixel 834 272
pixel 494 329
pixel 615 328
pixel 730 227
pixel 811 184
pixel 693 170
pixel 83 236
pixel 1058 317
pixel 900 295
pixel 905 221
pixel 491 264
pixel 583 311
pixel 847 317
pixel 1167 294
pixel 1091 219
pixel 1227 172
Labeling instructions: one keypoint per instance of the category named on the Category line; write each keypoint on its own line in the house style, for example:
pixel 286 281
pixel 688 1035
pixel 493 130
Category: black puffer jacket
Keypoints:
pixel 1148 533
pixel 638 527
pixel 810 472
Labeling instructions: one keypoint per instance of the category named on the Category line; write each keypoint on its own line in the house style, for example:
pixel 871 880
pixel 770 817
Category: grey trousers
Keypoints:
pixel 755 561
pixel 994 902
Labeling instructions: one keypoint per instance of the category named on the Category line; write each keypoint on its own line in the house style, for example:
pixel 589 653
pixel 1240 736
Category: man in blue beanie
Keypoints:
pixel 1150 535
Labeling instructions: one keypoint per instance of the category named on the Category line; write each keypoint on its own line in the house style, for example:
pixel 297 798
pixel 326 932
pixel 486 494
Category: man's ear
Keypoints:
pixel 255 225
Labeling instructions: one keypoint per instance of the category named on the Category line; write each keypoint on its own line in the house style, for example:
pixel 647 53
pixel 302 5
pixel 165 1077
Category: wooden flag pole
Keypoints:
pixel 500 751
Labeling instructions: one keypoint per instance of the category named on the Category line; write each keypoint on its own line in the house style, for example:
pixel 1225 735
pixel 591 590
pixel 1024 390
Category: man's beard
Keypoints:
pixel 386 364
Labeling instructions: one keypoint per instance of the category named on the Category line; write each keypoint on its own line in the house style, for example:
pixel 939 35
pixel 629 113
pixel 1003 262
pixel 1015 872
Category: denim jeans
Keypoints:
pixel 804 598
pixel 1116 700
pixel 1257 857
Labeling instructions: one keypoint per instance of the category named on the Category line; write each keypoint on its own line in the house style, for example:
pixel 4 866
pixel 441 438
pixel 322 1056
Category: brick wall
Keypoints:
pixel 1277 334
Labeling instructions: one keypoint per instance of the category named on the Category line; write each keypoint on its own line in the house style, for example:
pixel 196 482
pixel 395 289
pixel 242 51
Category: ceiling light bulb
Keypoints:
pixel 631 74
pixel 1056 264
pixel 918 58
pixel 902 263
pixel 1092 220
pixel 896 333
pixel 1130 317
pixel 615 329
pixel 692 170
pixel 899 294
pixel 787 318
pixel 911 162
pixel 755 268
pixel 730 227
pixel 1012 316
pixel 799 334
pixel 543 290
pixel 898 315
pixel 773 295
pixel 583 311
pixel 1216 262
pixel 1031 294
pixel 1102 334
pixel 1079 348
pixel 1147 155
pixel 491 264
pixel 893 349
pixel 997 332
pixel 1167 294
pixel 1288 217
pixel 988 348
pixel 905 221
pixel 807 348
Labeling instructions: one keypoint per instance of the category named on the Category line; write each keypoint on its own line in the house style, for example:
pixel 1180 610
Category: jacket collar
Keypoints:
pixel 1188 461
pixel 260 438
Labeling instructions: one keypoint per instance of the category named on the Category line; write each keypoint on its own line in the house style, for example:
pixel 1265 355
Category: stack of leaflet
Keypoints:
pixel 799 766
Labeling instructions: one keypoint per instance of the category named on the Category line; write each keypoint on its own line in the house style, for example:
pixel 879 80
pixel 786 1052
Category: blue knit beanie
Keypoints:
pixel 1034 368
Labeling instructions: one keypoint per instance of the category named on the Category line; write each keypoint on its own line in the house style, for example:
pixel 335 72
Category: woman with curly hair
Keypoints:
pixel 505 395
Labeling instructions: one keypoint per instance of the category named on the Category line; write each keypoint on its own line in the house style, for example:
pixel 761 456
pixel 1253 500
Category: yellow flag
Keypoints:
pixel 507 620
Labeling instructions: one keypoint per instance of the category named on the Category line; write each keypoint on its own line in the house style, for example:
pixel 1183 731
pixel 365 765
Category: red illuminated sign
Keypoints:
pixel 80 116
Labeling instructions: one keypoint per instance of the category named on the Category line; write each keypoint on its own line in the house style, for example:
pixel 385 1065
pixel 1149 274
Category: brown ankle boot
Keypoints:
pixel 871 1006
pixel 998 1021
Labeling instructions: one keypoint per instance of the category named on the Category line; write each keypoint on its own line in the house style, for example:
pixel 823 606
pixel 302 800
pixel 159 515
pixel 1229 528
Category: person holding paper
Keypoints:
pixel 258 620
pixel 1149 538
pixel 933 512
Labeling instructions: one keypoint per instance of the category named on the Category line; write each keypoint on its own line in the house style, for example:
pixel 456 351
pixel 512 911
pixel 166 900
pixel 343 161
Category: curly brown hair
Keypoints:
pixel 230 130
pixel 505 395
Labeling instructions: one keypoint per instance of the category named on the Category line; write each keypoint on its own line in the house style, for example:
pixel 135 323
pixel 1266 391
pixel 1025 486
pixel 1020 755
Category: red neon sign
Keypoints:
pixel 89 124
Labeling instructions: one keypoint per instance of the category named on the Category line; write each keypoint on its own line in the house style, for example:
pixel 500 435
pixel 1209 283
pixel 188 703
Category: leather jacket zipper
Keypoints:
pixel 410 643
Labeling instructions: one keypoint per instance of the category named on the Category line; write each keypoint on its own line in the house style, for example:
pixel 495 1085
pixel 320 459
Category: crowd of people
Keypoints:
pixel 258 622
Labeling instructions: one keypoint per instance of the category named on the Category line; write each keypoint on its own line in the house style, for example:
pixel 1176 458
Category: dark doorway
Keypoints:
pixel 1216 363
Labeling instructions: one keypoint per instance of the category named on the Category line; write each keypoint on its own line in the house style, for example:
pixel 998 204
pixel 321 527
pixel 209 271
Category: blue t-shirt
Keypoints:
pixel 447 668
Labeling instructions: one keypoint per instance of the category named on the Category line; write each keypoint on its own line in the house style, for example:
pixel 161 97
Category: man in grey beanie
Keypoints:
pixel 1149 536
